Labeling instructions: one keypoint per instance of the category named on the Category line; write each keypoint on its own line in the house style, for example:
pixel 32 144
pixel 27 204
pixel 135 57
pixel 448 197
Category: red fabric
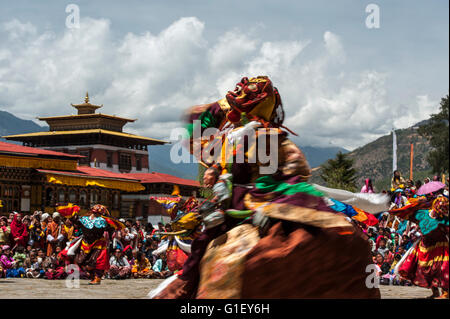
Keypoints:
pixel 307 263
pixel 371 220
pixel 428 266
pixel 176 259
pixel 102 260
pixel 377 241
pixel 408 211
pixel 68 211
pixel 18 230
pixel 98 244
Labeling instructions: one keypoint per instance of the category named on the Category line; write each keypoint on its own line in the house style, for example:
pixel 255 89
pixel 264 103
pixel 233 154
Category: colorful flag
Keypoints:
pixel 169 203
pixel 364 217
pixel 114 223
pixel 68 211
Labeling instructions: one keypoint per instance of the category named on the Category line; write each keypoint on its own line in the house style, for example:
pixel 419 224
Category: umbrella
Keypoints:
pixel 430 187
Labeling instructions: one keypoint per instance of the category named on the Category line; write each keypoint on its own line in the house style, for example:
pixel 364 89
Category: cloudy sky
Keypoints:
pixel 342 84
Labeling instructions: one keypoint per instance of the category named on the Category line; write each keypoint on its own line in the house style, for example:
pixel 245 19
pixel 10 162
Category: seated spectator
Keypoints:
pixel 380 235
pixel 55 234
pixel 148 250
pixel 371 233
pixel 389 257
pixel 160 267
pixel 382 249
pixel 7 263
pixel 128 238
pixel 141 267
pixel 35 270
pixel 367 187
pixel 401 250
pixel 393 242
pixel 5 230
pixel 20 257
pixel 140 247
pixel 68 231
pixel 119 266
pixel 117 240
pixel 390 277
pixel 148 231
pixel 56 267
pixel 382 266
pixel 406 243
pixel 128 252
pixel 19 231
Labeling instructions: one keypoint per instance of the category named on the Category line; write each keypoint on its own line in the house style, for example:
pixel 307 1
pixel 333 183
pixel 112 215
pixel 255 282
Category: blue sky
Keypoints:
pixel 342 84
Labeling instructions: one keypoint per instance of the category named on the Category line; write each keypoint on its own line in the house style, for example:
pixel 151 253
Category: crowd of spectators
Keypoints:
pixel 392 237
pixel 30 247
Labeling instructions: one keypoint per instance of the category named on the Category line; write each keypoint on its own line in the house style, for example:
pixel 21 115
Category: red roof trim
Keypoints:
pixel 15 149
pixel 85 171
pixel 155 177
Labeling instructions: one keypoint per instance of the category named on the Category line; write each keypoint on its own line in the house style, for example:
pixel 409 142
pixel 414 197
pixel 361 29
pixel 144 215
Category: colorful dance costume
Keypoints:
pixel 427 263
pixel 277 228
pixel 90 250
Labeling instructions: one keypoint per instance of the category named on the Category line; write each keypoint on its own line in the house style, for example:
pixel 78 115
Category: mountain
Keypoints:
pixel 159 161
pixel 159 155
pixel 319 155
pixel 10 124
pixel 374 160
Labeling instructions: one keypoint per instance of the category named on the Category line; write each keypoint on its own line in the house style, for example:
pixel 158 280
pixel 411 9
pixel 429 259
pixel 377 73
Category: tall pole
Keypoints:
pixel 394 150
pixel 411 162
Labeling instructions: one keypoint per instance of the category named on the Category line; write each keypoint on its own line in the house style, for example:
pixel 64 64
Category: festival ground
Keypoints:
pixel 21 288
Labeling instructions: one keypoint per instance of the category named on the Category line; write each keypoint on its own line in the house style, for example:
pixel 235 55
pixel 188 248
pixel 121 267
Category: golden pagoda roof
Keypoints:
pixel 95 131
pixel 86 107
pixel 62 117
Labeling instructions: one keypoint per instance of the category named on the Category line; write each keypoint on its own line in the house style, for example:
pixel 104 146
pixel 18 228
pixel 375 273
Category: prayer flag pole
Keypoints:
pixel 394 150
pixel 411 162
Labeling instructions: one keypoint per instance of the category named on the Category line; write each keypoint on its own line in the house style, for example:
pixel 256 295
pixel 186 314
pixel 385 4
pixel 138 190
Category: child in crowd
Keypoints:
pixel 7 263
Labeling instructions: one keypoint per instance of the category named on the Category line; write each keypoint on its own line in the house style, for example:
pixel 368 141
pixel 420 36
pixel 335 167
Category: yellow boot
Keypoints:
pixel 96 281
pixel 444 295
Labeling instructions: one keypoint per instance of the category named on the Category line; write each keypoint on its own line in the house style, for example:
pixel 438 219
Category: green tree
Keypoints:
pixel 436 132
pixel 339 173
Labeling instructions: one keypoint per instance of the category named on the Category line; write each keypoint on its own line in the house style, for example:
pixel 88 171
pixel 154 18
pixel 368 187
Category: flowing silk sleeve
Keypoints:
pixel 201 117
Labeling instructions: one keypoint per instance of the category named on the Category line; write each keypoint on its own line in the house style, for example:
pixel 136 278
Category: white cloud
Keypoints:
pixel 334 46
pixel 155 77
pixel 17 29
pixel 422 110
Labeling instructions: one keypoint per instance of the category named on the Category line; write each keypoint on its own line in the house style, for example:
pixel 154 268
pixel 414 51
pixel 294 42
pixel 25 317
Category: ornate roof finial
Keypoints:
pixel 86 107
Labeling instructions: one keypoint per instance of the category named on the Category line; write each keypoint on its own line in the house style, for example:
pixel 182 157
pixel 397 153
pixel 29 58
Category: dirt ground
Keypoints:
pixel 21 288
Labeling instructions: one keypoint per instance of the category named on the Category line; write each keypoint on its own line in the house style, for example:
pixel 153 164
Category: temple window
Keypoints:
pixel 125 162
pixel 138 163
pixel 72 196
pixel 85 160
pixel 116 201
pixel 104 197
pixel 61 196
pixel 94 197
pixel 48 197
pixel 83 198
pixel 109 159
